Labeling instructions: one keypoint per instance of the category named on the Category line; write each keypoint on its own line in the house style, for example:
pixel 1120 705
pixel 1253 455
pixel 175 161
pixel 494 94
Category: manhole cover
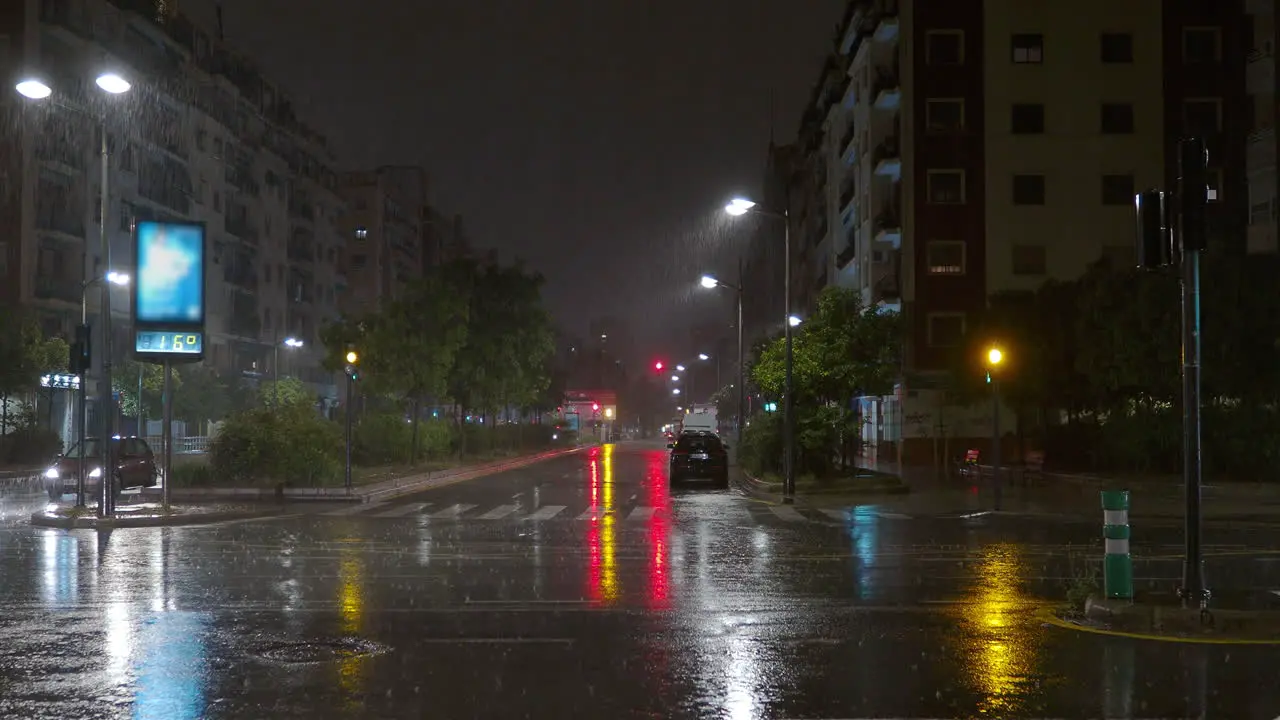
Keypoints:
pixel 318 651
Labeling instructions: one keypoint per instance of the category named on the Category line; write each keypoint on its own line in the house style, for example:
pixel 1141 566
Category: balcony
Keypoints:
pixel 241 274
pixel 1260 73
pixel 847 193
pixel 60 289
pixel 244 318
pixel 887 160
pixel 60 152
pixel 887 28
pixel 1260 154
pixel 61 220
pixel 885 90
pixel 847 255
pixel 889 228
pixel 68 17
pixel 301 249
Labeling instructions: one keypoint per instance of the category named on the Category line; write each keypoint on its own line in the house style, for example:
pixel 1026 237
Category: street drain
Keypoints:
pixel 319 651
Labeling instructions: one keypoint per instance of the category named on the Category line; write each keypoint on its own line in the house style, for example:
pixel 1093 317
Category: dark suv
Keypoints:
pixel 133 465
pixel 699 454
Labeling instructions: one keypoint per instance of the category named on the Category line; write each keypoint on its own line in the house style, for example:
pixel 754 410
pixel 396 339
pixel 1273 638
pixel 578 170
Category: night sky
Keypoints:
pixel 597 139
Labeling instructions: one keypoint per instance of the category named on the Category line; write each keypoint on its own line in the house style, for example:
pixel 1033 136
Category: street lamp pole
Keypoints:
pixel 742 370
pixel 994 357
pixel 106 507
pixel 788 417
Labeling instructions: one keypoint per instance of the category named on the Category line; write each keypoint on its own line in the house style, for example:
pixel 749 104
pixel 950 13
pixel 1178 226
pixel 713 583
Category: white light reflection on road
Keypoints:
pixel 59 568
pixel 172 668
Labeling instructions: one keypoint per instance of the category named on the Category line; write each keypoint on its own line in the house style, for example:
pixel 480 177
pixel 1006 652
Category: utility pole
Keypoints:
pixel 1157 226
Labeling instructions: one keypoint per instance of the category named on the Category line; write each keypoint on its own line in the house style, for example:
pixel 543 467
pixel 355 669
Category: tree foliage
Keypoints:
pixel 26 354
pixel 1093 367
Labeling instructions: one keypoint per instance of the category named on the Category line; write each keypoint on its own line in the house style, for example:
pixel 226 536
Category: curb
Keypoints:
pixel 758 487
pixel 96 523
pixel 1051 615
pixel 367 493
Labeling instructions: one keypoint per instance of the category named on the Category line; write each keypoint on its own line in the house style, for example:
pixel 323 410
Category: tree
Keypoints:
pixel 844 351
pixel 25 355
pixel 410 348
pixel 124 379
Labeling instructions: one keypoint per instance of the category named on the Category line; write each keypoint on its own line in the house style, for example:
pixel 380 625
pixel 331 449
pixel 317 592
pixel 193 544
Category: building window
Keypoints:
pixel 945 47
pixel 945 257
pixel 1202 117
pixel 1260 213
pixel 1028 49
pixel 946 187
pixel 1117 190
pixel 1028 189
pixel 1201 45
pixel 1116 119
pixel 1027 119
pixel 1028 259
pixel 943 116
pixel 946 329
pixel 1117 48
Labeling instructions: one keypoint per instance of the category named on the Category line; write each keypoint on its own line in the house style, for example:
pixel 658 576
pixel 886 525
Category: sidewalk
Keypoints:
pixel 932 496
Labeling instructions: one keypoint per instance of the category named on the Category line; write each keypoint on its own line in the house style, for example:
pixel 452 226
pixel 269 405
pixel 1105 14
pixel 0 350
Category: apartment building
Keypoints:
pixel 202 136
pixel 1261 157
pixel 386 231
pixel 979 146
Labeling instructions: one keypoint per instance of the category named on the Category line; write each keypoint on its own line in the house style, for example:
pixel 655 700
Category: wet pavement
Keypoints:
pixel 584 587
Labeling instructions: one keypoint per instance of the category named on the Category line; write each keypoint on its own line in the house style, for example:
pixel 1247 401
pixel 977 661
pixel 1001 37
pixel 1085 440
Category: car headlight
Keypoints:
pixel 95 473
pixel 52 473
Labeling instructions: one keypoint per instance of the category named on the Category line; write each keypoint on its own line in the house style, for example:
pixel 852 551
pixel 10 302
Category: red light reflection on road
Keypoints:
pixel 658 492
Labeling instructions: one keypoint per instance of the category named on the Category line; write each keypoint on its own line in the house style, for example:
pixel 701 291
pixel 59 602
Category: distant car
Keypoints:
pixel 699 454
pixel 133 465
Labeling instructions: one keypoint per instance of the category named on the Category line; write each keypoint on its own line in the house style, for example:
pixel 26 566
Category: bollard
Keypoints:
pixel 1117 566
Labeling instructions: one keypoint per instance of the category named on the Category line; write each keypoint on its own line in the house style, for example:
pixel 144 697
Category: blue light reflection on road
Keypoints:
pixel 863 525
pixel 172 668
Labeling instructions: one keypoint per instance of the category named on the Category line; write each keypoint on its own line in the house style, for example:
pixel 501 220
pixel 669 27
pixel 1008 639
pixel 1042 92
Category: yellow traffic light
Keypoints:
pixel 994 356
pixel 352 357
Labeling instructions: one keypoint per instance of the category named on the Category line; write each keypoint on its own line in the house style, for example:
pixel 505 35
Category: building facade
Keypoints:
pixel 386 231
pixel 1261 153
pixel 972 147
pixel 202 136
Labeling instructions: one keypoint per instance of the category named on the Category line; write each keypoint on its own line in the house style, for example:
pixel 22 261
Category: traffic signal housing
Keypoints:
pixel 353 364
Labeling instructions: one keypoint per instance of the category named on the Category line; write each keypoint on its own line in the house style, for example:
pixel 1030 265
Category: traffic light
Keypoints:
pixel 353 364
pixel 595 407
pixel 81 359
pixel 657 366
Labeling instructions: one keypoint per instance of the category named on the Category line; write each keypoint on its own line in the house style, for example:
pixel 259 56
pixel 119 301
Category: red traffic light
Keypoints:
pixel 595 406
pixel 658 366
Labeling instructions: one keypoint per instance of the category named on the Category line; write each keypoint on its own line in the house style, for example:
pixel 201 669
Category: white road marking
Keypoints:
pixel 591 513
pixel 546 512
pixel 452 512
pixel 499 512
pixel 409 509
pixel 641 513
pixel 352 509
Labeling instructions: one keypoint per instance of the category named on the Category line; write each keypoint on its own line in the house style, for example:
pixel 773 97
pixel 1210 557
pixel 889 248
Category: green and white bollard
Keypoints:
pixel 1117 566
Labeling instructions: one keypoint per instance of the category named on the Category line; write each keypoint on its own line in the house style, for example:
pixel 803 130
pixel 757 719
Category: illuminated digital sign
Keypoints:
pixel 168 342
pixel 169 291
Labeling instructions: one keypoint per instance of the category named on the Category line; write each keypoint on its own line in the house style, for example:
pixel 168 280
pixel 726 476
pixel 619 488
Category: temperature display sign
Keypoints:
pixel 168 342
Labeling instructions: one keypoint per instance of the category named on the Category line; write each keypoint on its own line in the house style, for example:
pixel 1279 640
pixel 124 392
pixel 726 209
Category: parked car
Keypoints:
pixel 133 464
pixel 699 453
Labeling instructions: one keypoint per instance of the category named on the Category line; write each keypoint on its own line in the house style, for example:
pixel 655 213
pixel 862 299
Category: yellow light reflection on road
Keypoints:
pixel 1000 652
pixel 609 567
pixel 351 604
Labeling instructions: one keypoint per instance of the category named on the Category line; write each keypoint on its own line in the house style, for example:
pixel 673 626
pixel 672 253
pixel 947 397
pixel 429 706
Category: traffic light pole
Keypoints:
pixel 1156 226
pixel 348 463
pixel 1194 181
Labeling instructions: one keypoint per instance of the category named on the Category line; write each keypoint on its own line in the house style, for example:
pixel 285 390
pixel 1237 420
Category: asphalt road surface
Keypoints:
pixel 584 587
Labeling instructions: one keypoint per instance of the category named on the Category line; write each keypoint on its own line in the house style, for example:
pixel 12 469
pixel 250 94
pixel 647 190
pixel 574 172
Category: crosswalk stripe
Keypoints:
pixel 452 512
pixel 546 512
pixel 401 511
pixel 640 513
pixel 591 512
pixel 836 514
pixel 351 509
pixel 789 514
pixel 499 512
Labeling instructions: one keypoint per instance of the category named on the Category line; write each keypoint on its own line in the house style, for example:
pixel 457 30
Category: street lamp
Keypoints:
pixel 794 320
pixel 113 84
pixel 680 368
pixel 675 391
pixel 741 206
pixel 995 356
pixel 710 282
pixel 111 278
pixel 675 378
pixel 703 356
pixel 289 342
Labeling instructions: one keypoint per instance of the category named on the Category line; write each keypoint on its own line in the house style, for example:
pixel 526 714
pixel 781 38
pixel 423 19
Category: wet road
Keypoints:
pixel 584 588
